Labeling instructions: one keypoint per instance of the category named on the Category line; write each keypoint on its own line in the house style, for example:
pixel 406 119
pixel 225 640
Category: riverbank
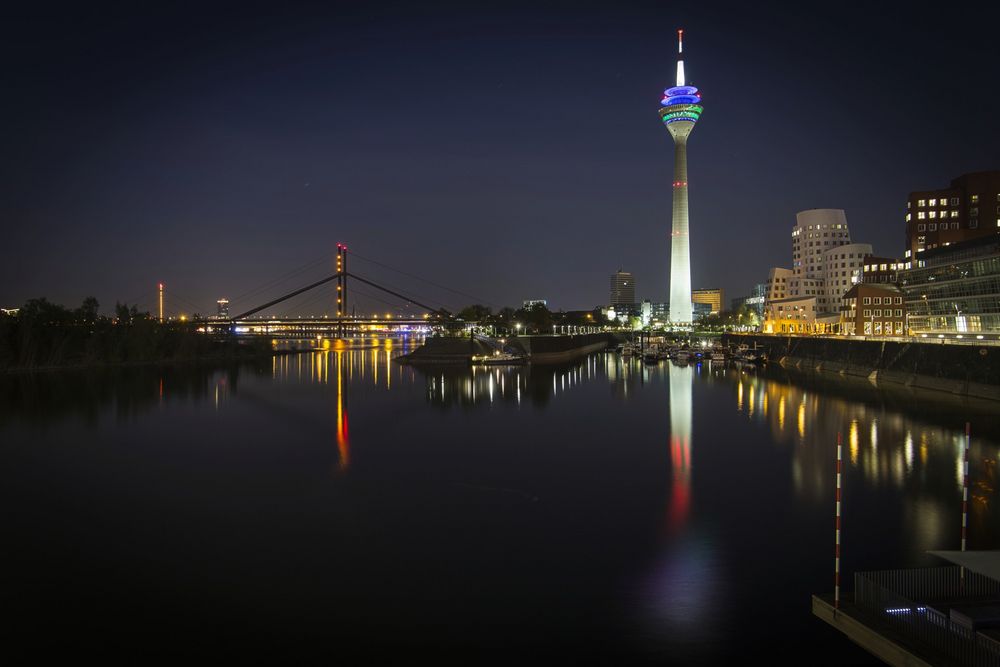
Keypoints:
pixel 963 370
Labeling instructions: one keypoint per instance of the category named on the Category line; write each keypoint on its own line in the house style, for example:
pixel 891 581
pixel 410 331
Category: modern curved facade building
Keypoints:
pixel 680 110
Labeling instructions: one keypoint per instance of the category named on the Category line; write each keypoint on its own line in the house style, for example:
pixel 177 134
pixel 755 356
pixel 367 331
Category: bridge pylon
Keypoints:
pixel 341 286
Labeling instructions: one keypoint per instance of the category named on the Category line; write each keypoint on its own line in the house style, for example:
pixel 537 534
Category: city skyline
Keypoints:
pixel 258 145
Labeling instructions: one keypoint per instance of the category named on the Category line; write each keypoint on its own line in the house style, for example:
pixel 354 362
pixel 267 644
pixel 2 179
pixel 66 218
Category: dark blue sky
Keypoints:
pixel 509 151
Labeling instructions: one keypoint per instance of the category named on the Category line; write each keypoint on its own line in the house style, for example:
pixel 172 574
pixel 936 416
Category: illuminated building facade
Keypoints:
pixel 873 309
pixel 680 110
pixel 754 301
pixel 223 308
pixel 969 209
pixel 713 297
pixel 880 269
pixel 956 290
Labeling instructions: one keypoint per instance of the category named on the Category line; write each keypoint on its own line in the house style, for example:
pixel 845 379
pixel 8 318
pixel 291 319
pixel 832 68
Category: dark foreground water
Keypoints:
pixel 337 506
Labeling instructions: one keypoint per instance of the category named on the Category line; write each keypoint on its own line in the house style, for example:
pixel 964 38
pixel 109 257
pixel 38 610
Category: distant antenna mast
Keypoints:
pixel 680 57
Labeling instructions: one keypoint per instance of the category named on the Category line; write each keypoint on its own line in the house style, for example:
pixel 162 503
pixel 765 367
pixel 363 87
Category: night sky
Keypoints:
pixel 507 151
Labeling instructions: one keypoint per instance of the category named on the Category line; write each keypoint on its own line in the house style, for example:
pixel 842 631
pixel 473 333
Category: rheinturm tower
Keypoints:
pixel 680 110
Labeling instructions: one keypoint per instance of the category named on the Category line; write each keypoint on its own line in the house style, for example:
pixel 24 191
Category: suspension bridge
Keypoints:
pixel 401 310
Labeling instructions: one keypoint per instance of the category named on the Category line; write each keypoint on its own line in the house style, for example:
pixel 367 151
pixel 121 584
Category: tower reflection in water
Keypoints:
pixel 680 590
pixel 681 379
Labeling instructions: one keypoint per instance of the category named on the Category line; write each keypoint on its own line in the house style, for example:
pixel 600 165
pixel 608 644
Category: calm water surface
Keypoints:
pixel 336 504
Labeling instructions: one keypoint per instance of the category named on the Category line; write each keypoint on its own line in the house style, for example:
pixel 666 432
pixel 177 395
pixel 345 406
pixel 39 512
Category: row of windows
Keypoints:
pixel 878 300
pixel 933 226
pixel 799 229
pixel 934 214
pixel 973 199
pixel 933 202
pixel 886 330
pixel 877 312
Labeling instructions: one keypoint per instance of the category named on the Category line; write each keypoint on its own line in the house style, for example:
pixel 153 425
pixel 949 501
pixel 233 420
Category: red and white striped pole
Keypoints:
pixel 965 487
pixel 836 563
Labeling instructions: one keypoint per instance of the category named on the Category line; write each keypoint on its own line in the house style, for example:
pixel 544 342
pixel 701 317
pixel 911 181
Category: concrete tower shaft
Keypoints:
pixel 680 241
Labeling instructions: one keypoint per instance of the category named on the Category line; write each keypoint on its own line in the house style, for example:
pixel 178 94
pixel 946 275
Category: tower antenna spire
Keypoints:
pixel 680 56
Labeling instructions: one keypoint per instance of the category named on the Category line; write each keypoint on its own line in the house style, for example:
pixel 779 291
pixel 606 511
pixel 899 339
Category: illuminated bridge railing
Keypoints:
pixel 916 604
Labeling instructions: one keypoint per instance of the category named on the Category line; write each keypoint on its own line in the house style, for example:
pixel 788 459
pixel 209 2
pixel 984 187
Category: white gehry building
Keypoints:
pixel 825 264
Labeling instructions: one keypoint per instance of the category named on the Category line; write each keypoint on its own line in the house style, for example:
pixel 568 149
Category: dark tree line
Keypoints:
pixel 534 319
pixel 44 334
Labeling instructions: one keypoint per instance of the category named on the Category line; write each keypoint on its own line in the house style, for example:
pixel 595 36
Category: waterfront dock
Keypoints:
pixel 968 369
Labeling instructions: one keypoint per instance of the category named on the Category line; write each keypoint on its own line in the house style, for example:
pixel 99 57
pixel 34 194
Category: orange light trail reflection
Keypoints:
pixel 343 446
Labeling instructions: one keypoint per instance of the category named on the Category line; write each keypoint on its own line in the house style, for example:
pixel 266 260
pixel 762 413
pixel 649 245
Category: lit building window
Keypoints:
pixel 954 214
pixel 921 202
pixel 908 215
pixel 974 199
pixel 932 214
pixel 944 202
pixel 921 215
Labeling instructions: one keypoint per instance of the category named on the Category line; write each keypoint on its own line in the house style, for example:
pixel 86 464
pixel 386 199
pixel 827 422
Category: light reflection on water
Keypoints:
pixel 880 440
pixel 674 495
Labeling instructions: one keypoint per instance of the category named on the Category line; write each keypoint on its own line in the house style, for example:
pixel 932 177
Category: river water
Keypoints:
pixel 339 505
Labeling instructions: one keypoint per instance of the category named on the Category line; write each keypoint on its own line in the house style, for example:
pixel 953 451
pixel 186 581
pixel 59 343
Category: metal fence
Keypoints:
pixel 915 604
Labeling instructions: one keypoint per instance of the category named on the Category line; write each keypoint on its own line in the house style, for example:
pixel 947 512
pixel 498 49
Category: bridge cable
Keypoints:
pixel 353 254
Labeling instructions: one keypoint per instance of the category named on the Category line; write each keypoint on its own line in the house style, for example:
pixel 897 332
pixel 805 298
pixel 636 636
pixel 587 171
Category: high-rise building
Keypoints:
pixel 680 110
pixel 969 209
pixel 622 289
pixel 223 305
pixel 713 297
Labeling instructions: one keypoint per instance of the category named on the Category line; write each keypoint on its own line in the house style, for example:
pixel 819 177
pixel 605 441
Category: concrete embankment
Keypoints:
pixel 539 349
pixel 558 349
pixel 965 370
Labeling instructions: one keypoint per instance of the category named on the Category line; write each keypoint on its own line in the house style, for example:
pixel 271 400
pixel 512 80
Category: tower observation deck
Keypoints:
pixel 680 109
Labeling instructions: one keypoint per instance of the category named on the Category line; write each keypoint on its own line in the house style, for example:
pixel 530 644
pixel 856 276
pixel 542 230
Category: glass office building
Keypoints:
pixel 956 290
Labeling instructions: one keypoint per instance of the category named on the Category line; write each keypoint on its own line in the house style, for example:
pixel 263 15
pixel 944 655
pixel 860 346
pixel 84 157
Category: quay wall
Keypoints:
pixel 964 369
pixel 558 349
pixel 540 349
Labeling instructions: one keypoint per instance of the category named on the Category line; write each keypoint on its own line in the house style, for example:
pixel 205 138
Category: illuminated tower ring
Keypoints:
pixel 680 110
